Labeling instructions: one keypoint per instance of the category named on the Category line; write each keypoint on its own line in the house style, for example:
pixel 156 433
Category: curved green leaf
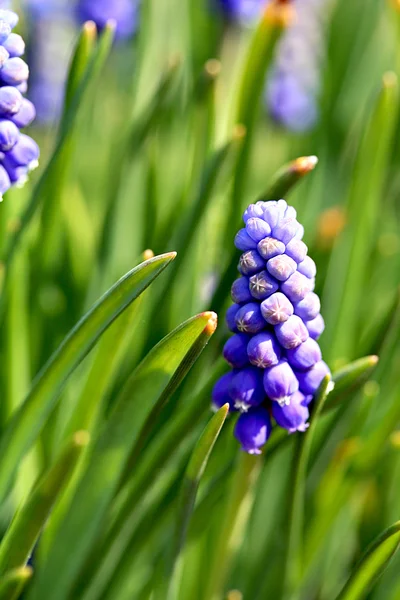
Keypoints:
pixel 14 582
pixel 28 421
pixel 372 564
pixel 151 383
pixel 288 176
pixel 350 379
pixel 27 524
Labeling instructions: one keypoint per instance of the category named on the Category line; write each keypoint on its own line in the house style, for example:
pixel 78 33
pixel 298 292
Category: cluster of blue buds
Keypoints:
pixel 276 361
pixel 123 12
pixel 19 153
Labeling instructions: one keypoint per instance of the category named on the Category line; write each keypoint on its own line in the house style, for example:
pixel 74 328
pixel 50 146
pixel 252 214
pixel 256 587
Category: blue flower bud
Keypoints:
pixel 243 241
pixel 5 30
pixel 247 388
pixel 291 333
pixel 290 213
pixel 221 392
pixel 18 175
pixel 249 318
pixel 272 213
pixel 257 228
pixel 240 291
pixel 276 309
pixel 253 429
pixel 250 262
pixel 280 382
pixel 304 356
pixel 25 115
pixel 235 351
pixel 315 327
pixel 297 250
pixel 307 267
pixel 292 416
pixel 230 317
pixel 14 71
pixel 297 287
pixel 270 247
pixel 10 17
pixel 281 267
pixel 300 232
pixel 5 182
pixel 262 285
pixel 9 134
pixel 14 45
pixel 286 230
pixel 310 380
pixel 253 210
pixel 22 87
pixel 24 154
pixel 10 101
pixel 263 350
pixel 308 308
pixel 4 56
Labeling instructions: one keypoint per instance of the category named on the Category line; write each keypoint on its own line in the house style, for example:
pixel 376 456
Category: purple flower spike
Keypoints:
pixel 250 262
pixel 9 134
pixel 253 210
pixel 253 429
pixel 10 101
pixel 24 154
pixel 304 356
pixel 25 115
pixel 257 228
pixel 240 291
pixel 316 327
pixel 281 267
pixel 297 250
pixel 247 389
pixel 309 307
pixel 220 393
pixel 270 247
pixel 285 230
pixel 291 333
pixel 297 287
pixel 235 351
pixel 243 241
pixel 280 382
pixel 276 309
pixel 263 350
pixel 249 318
pixel 292 416
pixel 307 267
pixel 230 317
pixel 272 214
pixel 262 285
pixel 310 380
pixel 14 45
pixel 14 71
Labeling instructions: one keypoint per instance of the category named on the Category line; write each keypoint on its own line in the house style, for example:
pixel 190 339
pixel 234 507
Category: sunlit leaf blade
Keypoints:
pixel 149 382
pixel 349 380
pixel 26 424
pixel 372 564
pixel 13 583
pixel 19 539
pixel 190 484
pixel 288 176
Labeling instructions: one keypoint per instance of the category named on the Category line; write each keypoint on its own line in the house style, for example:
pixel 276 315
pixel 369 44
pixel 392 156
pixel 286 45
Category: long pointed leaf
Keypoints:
pixel 30 418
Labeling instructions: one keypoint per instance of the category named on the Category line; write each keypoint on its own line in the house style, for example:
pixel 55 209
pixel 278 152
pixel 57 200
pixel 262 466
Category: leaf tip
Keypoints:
pixel 81 438
pixel 389 79
pixel 279 13
pixel 212 68
pixel 148 254
pixel 239 132
pixel 90 30
pixel 212 322
pixel 25 572
pixel 373 360
pixel 304 164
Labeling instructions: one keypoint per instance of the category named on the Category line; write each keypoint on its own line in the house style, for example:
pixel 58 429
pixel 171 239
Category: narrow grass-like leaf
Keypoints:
pixel 13 583
pixel 372 564
pixel 190 484
pixel 151 381
pixel 349 380
pixel 27 524
pixel 294 551
pixel 26 424
pixel 69 122
pixel 288 176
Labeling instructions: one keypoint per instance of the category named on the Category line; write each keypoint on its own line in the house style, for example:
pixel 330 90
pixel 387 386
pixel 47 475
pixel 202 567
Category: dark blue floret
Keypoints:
pixel 276 360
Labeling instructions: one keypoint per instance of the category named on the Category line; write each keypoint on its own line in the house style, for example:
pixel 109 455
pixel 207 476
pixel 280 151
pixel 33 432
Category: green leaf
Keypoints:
pixel 28 421
pixel 349 380
pixel 190 484
pixel 149 385
pixel 372 564
pixel 13 583
pixel 27 524
pixel 301 455
pixel 288 176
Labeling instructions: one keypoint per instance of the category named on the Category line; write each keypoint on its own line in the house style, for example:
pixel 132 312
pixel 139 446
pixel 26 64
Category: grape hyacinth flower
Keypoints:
pixel 276 361
pixel 123 12
pixel 19 154
pixel 243 11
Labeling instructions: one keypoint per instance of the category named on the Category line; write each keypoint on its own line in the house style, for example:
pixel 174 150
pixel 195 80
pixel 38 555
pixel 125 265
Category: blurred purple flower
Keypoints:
pixel 123 12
